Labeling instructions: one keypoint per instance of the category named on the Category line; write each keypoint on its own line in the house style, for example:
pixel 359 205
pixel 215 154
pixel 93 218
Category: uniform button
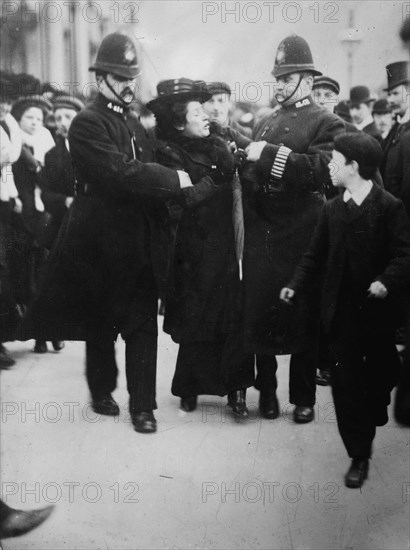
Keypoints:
pixel 294 115
pixel 286 130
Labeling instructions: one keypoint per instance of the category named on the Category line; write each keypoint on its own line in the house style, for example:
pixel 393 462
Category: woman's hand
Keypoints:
pixel 225 159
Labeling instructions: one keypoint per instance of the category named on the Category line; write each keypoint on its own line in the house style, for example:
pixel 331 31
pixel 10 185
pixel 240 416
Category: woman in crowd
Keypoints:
pixel 30 113
pixel 203 301
pixel 10 207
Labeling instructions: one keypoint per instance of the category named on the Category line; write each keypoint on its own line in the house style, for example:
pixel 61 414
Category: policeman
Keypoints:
pixel 291 151
pixel 102 276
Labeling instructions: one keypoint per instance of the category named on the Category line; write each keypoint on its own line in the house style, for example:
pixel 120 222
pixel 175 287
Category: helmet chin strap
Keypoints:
pixel 120 99
pixel 295 90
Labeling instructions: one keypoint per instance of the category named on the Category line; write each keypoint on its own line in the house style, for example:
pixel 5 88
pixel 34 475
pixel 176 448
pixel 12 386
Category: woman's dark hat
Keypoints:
pixel 397 73
pixel 293 56
pixel 179 90
pixel 381 107
pixel 326 82
pixel 358 95
pixel 24 103
pixel 117 55
pixel 68 102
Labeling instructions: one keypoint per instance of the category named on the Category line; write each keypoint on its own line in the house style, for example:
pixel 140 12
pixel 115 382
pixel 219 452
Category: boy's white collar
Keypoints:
pixel 359 195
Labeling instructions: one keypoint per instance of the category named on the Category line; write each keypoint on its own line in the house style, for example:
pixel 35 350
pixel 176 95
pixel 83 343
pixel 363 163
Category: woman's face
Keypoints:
pixel 32 120
pixel 197 121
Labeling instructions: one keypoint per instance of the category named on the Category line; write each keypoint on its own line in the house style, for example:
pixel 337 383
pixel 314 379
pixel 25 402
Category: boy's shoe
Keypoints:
pixel 357 473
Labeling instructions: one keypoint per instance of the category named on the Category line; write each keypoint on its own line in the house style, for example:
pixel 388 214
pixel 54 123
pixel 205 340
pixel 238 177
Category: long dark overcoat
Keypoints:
pixel 57 179
pixel 375 241
pixel 204 289
pixel 395 167
pixel 280 216
pixel 104 269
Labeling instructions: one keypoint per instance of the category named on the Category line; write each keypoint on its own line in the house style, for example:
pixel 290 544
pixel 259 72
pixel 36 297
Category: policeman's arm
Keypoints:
pixel 100 163
pixel 302 171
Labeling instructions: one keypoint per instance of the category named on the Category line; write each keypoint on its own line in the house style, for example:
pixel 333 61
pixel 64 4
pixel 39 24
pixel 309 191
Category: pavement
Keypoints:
pixel 203 481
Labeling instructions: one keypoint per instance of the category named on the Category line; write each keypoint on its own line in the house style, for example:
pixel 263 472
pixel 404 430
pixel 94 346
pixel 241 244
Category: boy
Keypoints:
pixel 363 241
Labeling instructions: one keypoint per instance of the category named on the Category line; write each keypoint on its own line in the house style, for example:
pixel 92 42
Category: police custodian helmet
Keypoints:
pixel 293 56
pixel 117 55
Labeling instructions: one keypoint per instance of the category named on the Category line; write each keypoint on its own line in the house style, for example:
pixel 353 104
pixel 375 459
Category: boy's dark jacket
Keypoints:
pixel 376 236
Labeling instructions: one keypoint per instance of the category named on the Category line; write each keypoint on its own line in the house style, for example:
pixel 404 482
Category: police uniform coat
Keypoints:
pixel 102 274
pixel 283 202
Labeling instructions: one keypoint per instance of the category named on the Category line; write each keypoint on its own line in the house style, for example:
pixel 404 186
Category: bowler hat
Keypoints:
pixel 293 56
pixel 342 110
pixel 358 95
pixel 397 73
pixel 218 88
pixel 179 89
pixel 117 55
pixel 381 107
pixel 24 103
pixel 68 102
pixel 326 82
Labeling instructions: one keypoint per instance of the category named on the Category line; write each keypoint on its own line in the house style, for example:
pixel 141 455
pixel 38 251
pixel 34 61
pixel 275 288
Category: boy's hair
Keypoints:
pixel 362 148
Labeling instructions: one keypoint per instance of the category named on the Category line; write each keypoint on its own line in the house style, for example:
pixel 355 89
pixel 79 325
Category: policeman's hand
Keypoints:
pixel 377 290
pixel 254 150
pixel 68 201
pixel 286 295
pixel 184 179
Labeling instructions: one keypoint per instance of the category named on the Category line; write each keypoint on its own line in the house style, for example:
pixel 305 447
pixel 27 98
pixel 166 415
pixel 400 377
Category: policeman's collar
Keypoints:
pixel 304 102
pixel 114 106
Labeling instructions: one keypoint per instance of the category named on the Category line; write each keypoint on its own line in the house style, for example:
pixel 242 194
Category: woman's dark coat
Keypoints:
pixel 204 287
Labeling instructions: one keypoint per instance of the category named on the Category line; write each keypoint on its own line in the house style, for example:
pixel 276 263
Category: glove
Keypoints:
pixel 240 159
pixel 225 159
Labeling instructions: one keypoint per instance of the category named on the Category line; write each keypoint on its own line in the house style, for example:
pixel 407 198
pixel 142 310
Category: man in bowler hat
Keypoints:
pixel 284 184
pixel 360 106
pixel 383 117
pixel 102 279
pixel 362 241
